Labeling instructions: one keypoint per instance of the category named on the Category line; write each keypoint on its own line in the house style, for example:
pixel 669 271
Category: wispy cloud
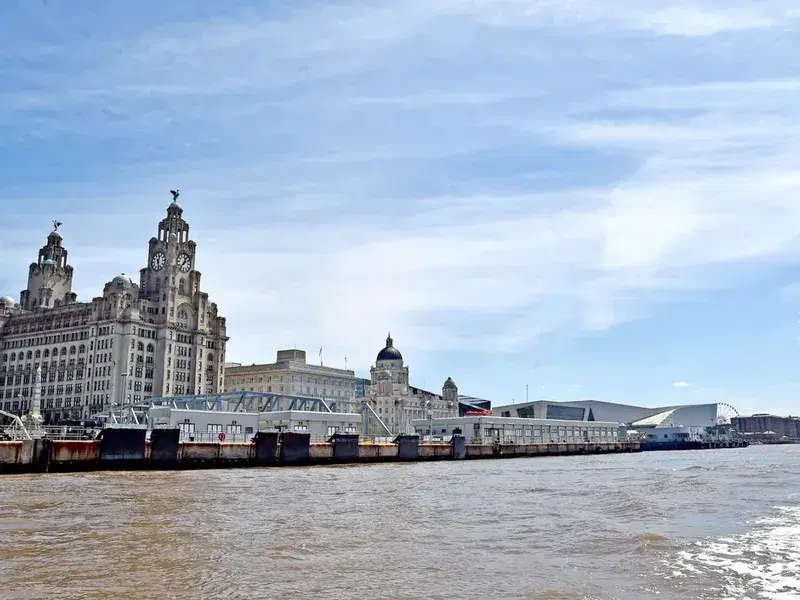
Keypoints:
pixel 681 384
pixel 470 175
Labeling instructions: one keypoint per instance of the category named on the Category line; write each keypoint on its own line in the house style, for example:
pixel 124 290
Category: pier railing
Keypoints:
pixel 205 436
pixel 53 432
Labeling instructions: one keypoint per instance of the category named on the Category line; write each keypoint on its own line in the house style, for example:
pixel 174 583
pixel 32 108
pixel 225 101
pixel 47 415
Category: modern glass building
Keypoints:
pixel 362 387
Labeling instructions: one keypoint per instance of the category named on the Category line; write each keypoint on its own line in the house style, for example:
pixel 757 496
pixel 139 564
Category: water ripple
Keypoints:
pixel 653 525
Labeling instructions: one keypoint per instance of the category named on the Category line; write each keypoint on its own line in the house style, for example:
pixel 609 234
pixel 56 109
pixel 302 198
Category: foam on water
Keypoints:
pixel 762 563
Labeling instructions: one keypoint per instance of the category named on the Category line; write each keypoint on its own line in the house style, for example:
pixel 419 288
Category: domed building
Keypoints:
pixel 155 334
pixel 396 402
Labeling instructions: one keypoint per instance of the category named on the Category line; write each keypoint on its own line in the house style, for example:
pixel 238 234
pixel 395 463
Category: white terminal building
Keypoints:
pixel 157 335
pixel 488 429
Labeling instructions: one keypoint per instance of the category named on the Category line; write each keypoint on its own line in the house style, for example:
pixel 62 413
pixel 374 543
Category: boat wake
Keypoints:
pixel 763 563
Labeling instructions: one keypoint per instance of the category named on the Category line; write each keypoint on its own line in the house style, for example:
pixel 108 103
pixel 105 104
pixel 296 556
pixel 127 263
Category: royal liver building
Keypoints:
pixel 161 336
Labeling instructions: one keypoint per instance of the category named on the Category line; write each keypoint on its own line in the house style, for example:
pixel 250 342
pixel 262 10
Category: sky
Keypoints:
pixel 553 200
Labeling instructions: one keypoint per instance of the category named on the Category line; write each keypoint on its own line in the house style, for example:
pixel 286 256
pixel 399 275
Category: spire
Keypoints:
pixel 174 223
pixel 55 237
pixel 389 352
pixel 50 276
pixel 52 252
pixel 174 209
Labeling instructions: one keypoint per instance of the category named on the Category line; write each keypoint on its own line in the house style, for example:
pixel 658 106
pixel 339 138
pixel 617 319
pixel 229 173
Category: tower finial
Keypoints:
pixel 56 225
pixel 389 340
pixel 175 194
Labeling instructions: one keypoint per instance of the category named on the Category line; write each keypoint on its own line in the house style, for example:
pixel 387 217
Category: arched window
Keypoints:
pixel 37 354
pixel 29 355
pixel 150 348
pixel 81 349
pixel 13 356
pixel 54 352
pixel 140 347
pixel 5 357
pixel 210 357
pixel 46 352
pixel 64 351
pixel 158 284
pixel 182 285
pixel 72 349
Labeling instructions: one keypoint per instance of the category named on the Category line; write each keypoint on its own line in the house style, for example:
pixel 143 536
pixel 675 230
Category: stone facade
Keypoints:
pixel 161 336
pixel 396 402
pixel 290 374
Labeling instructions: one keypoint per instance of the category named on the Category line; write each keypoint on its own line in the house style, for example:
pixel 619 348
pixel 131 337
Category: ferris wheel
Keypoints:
pixel 725 412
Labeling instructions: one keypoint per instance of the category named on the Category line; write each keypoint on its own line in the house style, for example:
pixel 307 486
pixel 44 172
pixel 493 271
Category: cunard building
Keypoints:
pixel 160 336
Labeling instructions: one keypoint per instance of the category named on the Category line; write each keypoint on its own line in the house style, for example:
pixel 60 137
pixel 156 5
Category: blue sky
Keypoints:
pixel 597 200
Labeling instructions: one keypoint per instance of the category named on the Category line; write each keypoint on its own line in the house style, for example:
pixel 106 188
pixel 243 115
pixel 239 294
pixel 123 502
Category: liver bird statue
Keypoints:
pixel 175 194
pixel 56 225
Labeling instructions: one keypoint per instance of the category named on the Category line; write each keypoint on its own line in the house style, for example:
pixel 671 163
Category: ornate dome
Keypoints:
pixel 123 280
pixel 450 384
pixel 389 352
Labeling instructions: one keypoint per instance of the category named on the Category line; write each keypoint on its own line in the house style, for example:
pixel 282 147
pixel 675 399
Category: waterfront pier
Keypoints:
pixel 126 449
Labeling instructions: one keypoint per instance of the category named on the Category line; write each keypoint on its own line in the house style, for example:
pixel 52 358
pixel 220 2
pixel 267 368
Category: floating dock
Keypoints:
pixel 129 449
pixel 648 446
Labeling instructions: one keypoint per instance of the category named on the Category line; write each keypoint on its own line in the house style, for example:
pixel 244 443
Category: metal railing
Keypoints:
pixel 66 432
pixel 207 436
pixel 52 432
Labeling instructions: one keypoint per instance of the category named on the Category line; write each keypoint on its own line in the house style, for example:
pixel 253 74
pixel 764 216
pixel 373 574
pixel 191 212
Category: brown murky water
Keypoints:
pixel 713 524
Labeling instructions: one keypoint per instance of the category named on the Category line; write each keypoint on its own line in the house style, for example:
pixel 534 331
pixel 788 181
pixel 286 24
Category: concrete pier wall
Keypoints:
pixel 73 455
pixel 14 453
pixel 320 452
pixel 164 451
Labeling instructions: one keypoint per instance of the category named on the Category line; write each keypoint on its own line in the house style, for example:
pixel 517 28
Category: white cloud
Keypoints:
pixel 700 21
pixel 681 384
pixel 692 19
pixel 430 170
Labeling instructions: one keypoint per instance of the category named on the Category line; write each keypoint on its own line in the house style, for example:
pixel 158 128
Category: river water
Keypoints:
pixel 700 524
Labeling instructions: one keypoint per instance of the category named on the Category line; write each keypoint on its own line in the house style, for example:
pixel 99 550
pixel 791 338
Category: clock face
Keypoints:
pixel 184 262
pixel 158 261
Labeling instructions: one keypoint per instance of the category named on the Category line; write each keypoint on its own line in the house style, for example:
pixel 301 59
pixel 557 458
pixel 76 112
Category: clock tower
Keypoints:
pixel 170 276
pixel 191 338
